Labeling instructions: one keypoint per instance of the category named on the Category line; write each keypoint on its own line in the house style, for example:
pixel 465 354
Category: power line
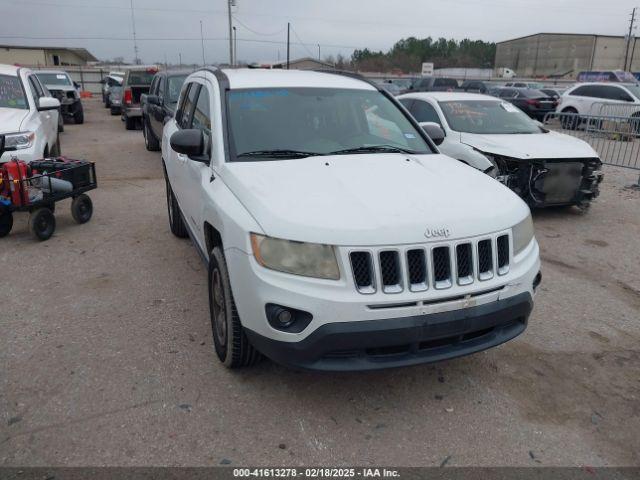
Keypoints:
pixel 172 39
pixel 246 27
pixel 301 43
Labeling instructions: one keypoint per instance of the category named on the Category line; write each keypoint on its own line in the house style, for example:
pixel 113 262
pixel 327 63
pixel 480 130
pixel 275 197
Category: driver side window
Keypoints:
pixel 424 112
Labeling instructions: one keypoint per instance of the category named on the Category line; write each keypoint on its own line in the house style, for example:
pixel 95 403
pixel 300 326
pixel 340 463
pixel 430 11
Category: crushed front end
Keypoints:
pixel 69 101
pixel 551 182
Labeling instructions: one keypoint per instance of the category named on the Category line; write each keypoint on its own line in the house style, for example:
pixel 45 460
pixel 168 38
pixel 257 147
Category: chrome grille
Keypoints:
pixel 419 268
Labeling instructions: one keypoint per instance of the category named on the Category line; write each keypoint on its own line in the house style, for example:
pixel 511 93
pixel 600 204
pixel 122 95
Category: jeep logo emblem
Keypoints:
pixel 437 232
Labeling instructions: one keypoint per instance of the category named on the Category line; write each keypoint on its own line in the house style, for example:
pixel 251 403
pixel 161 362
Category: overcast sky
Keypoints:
pixel 172 27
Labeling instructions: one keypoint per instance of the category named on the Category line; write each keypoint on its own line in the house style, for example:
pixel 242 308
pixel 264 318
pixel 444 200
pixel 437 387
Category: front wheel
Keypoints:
pixel 176 224
pixel 6 223
pixel 56 150
pixel 150 141
pixel 231 343
pixel 42 223
pixel 78 117
pixel 82 209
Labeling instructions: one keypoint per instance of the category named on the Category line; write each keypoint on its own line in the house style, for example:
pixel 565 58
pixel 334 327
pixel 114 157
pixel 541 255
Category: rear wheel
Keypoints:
pixel 231 343
pixel 42 223
pixel 150 141
pixel 82 208
pixel 6 223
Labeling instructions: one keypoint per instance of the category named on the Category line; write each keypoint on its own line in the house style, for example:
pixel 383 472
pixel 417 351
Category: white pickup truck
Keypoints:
pixel 336 236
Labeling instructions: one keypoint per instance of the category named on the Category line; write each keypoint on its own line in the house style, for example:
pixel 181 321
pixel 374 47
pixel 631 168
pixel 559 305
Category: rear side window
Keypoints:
pixel 424 112
pixel 614 93
pixel 140 77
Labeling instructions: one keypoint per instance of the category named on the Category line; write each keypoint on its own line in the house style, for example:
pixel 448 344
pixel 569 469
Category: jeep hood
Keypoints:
pixel 11 119
pixel 530 146
pixel 381 199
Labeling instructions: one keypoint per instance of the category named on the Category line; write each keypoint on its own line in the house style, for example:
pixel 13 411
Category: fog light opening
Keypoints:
pixel 287 319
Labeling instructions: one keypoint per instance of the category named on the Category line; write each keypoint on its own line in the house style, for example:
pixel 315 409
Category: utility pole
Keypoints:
pixel 319 52
pixel 631 27
pixel 288 43
pixel 235 47
pixel 202 40
pixel 229 2
pixel 180 59
pixel 136 60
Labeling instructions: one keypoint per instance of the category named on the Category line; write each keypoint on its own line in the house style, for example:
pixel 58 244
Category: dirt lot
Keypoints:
pixel 106 351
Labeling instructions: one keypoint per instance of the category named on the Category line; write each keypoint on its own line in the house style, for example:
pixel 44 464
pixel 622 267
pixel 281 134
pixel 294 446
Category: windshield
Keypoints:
pixel 11 93
pixel 318 121
pixel 54 78
pixel 140 78
pixel 487 117
pixel 175 84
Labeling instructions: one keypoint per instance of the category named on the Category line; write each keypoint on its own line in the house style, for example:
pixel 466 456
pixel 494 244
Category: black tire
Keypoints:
pixel 570 119
pixel 6 223
pixel 107 103
pixel 82 209
pixel 78 117
pixel 115 110
pixel 176 223
pixel 56 150
pixel 150 141
pixel 42 223
pixel 129 123
pixel 231 343
pixel 60 122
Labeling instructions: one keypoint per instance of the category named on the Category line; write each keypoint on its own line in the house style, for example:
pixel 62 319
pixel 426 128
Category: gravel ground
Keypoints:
pixel 107 356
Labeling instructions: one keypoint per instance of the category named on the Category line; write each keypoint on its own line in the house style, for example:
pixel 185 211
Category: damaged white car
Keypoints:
pixel 543 167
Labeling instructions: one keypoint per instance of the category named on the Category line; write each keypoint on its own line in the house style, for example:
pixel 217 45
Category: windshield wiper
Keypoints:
pixel 279 154
pixel 373 149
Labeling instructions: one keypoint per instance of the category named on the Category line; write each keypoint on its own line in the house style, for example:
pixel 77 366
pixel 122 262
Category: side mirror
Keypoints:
pixel 48 103
pixel 153 100
pixel 190 142
pixel 435 131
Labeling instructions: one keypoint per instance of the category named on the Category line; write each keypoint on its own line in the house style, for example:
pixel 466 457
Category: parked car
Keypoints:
pixel 434 84
pixel 137 82
pixel 274 174
pixel 606 76
pixel 544 168
pixel 390 87
pixel 534 85
pixel 114 99
pixel 60 85
pixel 109 82
pixel 159 105
pixel 476 86
pixel 28 116
pixel 532 102
pixel 585 98
pixel 552 92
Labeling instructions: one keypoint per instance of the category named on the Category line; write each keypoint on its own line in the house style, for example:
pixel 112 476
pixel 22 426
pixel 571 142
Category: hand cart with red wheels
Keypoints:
pixel 37 187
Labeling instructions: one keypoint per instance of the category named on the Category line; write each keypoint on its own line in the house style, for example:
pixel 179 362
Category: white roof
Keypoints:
pixel 9 70
pixel 449 96
pixel 268 78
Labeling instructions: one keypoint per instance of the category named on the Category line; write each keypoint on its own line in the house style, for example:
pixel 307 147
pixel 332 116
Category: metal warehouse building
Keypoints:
pixel 563 54
pixel 45 56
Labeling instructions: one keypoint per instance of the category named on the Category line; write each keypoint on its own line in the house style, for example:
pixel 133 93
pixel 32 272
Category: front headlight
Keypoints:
pixel 299 258
pixel 18 141
pixel 522 235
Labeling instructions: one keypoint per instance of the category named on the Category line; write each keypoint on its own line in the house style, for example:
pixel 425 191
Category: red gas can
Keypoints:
pixel 13 186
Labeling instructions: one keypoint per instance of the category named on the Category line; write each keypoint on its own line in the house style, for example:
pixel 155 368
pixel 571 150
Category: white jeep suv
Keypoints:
pixel 28 116
pixel 336 236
